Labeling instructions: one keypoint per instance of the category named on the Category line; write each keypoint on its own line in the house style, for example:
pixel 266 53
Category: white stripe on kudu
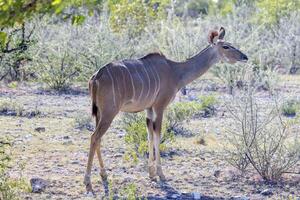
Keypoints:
pixel 142 82
pixel 113 85
pixel 158 78
pixel 148 81
pixel 132 83
pixel 155 81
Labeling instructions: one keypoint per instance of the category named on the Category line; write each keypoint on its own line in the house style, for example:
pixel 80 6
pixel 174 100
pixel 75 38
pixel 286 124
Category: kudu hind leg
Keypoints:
pixel 102 126
pixel 103 173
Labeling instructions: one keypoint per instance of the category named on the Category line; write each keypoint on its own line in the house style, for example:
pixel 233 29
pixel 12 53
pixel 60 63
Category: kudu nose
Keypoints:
pixel 244 57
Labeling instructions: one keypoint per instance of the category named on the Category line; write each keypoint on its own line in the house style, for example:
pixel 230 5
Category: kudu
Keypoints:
pixel 149 83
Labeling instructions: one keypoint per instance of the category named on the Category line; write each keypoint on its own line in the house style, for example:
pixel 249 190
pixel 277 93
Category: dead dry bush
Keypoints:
pixel 260 138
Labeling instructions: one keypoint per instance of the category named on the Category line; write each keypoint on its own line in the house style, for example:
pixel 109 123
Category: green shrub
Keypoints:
pixel 6 191
pixel 208 105
pixel 137 137
pixel 13 108
pixel 10 107
pixel 57 68
pixel 9 187
pixel 180 111
pixel 130 192
pixel 258 137
pixel 289 108
pixel 136 131
pixel 83 121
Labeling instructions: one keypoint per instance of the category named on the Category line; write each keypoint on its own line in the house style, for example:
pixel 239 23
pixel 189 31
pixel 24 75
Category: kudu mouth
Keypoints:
pixel 244 58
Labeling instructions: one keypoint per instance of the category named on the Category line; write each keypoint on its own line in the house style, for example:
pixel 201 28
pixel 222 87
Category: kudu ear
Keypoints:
pixel 221 33
pixel 212 37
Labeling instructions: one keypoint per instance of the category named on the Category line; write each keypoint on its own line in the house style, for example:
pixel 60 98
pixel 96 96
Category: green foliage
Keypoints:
pixel 135 14
pixel 14 13
pixel 259 137
pixel 130 192
pixel 137 137
pixel 10 107
pixel 208 101
pixel 57 70
pixel 9 187
pixel 3 38
pixel 83 121
pixel 290 108
pixel 136 132
pixel 180 111
pixel 272 10
pixel 78 19
pixel 14 46
pixel 198 7
pixel 7 192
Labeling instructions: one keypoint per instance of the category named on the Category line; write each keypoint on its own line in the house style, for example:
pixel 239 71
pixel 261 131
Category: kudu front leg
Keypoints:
pixel 151 164
pixel 157 133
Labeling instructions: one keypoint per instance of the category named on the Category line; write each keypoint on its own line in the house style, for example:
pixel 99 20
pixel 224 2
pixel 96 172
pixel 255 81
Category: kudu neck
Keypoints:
pixel 195 66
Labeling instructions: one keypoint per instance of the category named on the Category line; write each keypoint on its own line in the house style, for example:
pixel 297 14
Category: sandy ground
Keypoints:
pixel 59 154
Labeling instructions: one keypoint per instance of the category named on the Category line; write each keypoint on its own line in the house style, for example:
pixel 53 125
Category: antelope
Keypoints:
pixel 149 83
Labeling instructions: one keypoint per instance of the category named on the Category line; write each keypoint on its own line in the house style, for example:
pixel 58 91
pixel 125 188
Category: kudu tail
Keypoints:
pixel 93 93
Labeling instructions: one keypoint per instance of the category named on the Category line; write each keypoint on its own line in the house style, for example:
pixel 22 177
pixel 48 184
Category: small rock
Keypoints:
pixel 266 192
pixel 28 136
pixel 117 155
pixel 175 196
pixel 69 142
pixel 40 129
pixel 38 185
pixel 196 195
pixel 217 173
pixel 239 198
pixel 66 137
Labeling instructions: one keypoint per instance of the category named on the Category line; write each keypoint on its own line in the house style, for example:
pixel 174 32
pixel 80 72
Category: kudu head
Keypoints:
pixel 225 50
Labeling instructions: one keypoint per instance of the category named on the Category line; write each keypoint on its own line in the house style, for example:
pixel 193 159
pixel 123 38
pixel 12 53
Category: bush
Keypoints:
pixel 290 108
pixel 178 112
pixel 208 105
pixel 14 52
pixel 130 192
pixel 137 137
pixel 259 138
pixel 10 107
pixel 57 68
pixel 13 108
pixel 6 191
pixel 136 131
pixel 83 121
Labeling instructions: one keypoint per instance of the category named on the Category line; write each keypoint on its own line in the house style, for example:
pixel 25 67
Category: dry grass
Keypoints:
pixel 189 166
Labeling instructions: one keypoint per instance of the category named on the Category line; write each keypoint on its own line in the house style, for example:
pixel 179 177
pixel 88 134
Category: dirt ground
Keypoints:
pixel 59 154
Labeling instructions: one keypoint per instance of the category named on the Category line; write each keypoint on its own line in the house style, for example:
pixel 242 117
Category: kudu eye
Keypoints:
pixel 225 47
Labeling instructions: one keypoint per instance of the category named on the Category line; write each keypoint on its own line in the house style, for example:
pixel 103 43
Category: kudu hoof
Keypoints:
pixel 103 175
pixel 90 194
pixel 162 177
pixel 160 174
pixel 152 173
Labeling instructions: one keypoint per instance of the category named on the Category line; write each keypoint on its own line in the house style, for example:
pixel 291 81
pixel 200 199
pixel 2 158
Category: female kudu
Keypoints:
pixel 149 83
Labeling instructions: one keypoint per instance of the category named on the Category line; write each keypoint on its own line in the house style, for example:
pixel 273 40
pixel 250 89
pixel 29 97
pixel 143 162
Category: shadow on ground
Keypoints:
pixel 170 193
